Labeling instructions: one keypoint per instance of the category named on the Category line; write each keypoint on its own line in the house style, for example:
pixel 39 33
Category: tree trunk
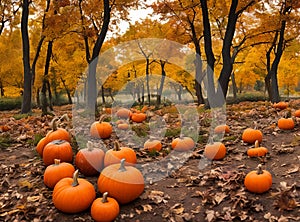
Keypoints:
pixel 46 84
pixel 92 85
pixel 162 82
pixel 234 87
pixel 147 81
pixel 26 104
pixel 38 98
pixel 103 94
pixel 1 89
pixel 67 90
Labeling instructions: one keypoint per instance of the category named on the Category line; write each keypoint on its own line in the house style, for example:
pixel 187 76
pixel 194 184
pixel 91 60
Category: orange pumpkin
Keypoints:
pixel 40 146
pixel 105 209
pixel 222 129
pixel 138 117
pixel 114 155
pixel 56 172
pixel 121 124
pixel 286 124
pixel 257 150
pixel 183 144
pixel 258 181
pixel 280 105
pixel 124 183
pixel 101 129
pixel 123 113
pixel 297 113
pixel 89 161
pixel 57 133
pixel 215 151
pixel 153 145
pixel 251 135
pixel 73 195
pixel 57 149
pixel 144 109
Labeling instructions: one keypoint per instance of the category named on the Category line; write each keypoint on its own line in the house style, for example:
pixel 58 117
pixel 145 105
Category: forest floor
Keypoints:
pixel 213 192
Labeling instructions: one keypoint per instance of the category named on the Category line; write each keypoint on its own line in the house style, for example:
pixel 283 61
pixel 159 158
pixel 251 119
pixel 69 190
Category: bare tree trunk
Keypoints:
pixel 67 90
pixel 162 81
pixel 234 87
pixel 27 93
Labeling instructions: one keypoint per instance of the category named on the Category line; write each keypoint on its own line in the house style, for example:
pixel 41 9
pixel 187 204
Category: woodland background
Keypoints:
pixel 252 47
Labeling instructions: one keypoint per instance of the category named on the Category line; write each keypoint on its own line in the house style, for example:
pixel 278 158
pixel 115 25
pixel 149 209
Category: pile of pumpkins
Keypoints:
pixel 119 181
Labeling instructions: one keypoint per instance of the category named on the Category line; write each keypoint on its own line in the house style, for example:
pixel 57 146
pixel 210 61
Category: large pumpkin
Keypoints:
pixel 114 155
pixel 215 151
pixel 57 133
pixel 153 145
pixel 56 172
pixel 101 129
pixel 89 160
pixel 57 149
pixel 251 135
pixel 123 113
pixel 40 146
pixel 138 117
pixel 105 209
pixel 257 150
pixel 73 195
pixel 183 144
pixel 258 181
pixel 124 183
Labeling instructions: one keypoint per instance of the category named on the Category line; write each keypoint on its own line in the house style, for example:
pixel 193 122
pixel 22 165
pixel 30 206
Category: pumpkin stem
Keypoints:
pixel 56 161
pixel 122 166
pixel 256 144
pixel 116 146
pixel 211 140
pixel 75 179
pixel 53 124
pixel 65 117
pixel 259 169
pixel 89 146
pixel 102 117
pixel 104 197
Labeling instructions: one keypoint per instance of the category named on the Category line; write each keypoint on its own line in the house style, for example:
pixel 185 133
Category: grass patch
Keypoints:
pixel 21 116
pixel 7 103
pixel 173 132
pixel 141 130
pixel 5 141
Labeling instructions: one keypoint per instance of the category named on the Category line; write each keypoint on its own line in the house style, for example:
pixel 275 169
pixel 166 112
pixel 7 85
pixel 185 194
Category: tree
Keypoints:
pixel 27 92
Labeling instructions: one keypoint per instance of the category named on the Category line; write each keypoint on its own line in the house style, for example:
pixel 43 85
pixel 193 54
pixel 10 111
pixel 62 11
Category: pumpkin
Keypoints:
pixel 89 160
pixel 101 129
pixel 57 133
pixel 123 113
pixel 121 124
pixel 40 146
pixel 73 195
pixel 105 209
pixel 138 117
pixel 215 151
pixel 280 105
pixel 258 181
pixel 114 155
pixel 297 113
pixel 251 135
pixel 222 129
pixel 124 183
pixel 57 149
pixel 144 109
pixel 257 150
pixel 286 124
pixel 153 145
pixel 56 172
pixel 183 144
pixel 107 110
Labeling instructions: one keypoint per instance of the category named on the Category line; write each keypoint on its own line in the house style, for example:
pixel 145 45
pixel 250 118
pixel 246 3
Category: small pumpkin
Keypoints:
pixel 114 155
pixel 286 123
pixel 124 183
pixel 123 113
pixel 57 149
pixel 222 129
pixel 101 129
pixel 183 144
pixel 280 105
pixel 121 124
pixel 153 145
pixel 90 160
pixel 297 113
pixel 257 150
pixel 57 133
pixel 138 117
pixel 144 109
pixel 215 151
pixel 73 195
pixel 258 181
pixel 56 172
pixel 40 146
pixel 105 209
pixel 251 135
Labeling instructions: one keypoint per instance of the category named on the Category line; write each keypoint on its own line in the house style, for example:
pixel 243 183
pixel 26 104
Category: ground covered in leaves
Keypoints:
pixel 197 190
